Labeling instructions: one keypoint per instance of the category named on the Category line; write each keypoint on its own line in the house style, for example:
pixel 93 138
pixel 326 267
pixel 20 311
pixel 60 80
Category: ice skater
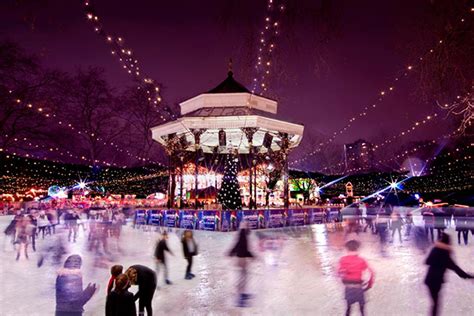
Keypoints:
pixel 71 218
pixel 43 223
pixel 351 269
pixel 408 223
pixel 145 279
pixel 428 218
pixel 243 254
pixel 190 249
pixel 161 248
pixel 438 261
pixel 21 238
pixel 462 227
pixel 382 226
pixel 396 224
pixel 70 296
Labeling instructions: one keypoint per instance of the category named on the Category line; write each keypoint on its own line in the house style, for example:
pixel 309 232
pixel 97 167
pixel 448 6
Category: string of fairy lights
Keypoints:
pixel 50 115
pixel 381 96
pixel 51 149
pixel 20 174
pixel 267 44
pixel 128 60
pixel 395 157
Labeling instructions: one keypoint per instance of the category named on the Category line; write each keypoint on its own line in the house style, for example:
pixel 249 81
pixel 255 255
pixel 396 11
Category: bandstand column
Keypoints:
pixel 255 182
pixel 197 140
pixel 284 151
pixel 170 150
pixel 181 182
pixel 249 132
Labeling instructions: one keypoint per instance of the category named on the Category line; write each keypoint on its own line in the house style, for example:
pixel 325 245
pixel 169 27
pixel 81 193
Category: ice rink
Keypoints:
pixel 297 276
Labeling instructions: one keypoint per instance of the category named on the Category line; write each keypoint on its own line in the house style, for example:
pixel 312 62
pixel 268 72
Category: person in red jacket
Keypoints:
pixel 115 271
pixel 351 270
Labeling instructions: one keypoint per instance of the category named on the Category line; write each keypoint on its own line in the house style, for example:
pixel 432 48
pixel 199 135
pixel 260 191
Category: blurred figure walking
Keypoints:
pixel 70 295
pixel 351 269
pixel 161 248
pixel 428 218
pixel 438 261
pixel 21 238
pixel 190 250
pixel 396 224
pixel 242 252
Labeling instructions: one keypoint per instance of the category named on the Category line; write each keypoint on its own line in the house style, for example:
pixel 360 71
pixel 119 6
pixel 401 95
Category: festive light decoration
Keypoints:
pixel 50 149
pixel 267 44
pixel 406 132
pixel 229 193
pixel 127 59
pixel 18 175
pixel 50 115
pixel 382 94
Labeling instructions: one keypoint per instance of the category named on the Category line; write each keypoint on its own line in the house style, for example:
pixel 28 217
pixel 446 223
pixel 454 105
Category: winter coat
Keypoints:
pixel 438 261
pixel 186 251
pixel 396 221
pixel 146 280
pixel 440 219
pixel 241 247
pixel 120 304
pixel 160 249
pixel 461 220
pixel 43 221
pixel 428 218
pixel 351 268
pixel 70 295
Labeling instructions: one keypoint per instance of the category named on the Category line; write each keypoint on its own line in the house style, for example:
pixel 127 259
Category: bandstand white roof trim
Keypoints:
pixel 233 126
pixel 212 100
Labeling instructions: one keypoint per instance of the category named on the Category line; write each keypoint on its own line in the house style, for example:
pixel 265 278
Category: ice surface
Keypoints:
pixel 296 278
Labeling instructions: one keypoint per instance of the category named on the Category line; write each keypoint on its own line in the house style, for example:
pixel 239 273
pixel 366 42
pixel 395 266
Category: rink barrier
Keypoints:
pixel 213 220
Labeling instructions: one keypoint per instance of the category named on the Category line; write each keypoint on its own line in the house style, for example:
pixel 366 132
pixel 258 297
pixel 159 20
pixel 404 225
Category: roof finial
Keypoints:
pixel 229 68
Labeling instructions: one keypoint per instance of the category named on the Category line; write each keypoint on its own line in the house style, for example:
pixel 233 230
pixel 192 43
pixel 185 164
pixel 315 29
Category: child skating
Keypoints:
pixel 351 270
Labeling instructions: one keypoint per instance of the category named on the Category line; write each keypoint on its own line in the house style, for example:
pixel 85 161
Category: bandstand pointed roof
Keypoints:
pixel 229 85
pixel 232 108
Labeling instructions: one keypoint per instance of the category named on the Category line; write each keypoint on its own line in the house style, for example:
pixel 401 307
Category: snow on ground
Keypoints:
pixel 297 279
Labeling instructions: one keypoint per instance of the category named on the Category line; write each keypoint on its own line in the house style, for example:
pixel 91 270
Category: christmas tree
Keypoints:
pixel 229 194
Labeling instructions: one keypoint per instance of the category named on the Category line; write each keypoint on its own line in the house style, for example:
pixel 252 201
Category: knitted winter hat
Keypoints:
pixel 73 262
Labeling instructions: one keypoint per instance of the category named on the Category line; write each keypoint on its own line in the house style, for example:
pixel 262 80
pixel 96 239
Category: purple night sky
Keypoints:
pixel 324 76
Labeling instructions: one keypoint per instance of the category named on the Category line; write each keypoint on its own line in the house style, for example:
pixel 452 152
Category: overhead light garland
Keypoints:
pixel 49 115
pixel 382 94
pixel 267 44
pixel 127 59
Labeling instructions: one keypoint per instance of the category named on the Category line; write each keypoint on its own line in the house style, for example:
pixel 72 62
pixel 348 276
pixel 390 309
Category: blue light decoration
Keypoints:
pixel 56 191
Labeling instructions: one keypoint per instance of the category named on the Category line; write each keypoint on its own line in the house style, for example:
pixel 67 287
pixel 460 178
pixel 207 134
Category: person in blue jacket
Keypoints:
pixel 70 294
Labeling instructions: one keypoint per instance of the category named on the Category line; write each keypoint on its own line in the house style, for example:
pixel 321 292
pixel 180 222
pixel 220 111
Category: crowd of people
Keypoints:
pixel 98 227
pixel 389 222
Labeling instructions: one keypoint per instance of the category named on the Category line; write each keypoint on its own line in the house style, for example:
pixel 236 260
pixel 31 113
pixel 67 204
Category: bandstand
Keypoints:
pixel 227 119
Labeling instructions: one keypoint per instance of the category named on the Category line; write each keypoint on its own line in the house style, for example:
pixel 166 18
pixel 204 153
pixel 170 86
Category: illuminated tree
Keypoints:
pixel 229 194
